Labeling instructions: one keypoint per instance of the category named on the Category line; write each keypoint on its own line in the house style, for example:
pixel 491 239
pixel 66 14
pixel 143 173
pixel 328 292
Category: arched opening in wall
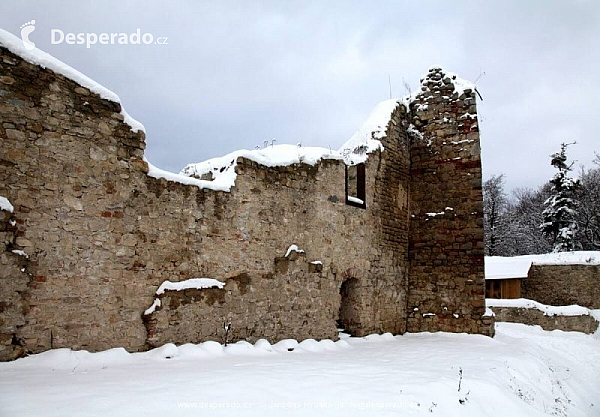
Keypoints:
pixel 349 317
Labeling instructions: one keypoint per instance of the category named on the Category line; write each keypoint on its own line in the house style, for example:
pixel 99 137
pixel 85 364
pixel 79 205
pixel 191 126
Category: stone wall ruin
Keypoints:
pixel 561 285
pixel 101 235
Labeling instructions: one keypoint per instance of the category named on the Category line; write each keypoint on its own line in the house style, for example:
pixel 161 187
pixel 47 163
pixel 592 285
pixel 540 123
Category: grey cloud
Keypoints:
pixel 237 73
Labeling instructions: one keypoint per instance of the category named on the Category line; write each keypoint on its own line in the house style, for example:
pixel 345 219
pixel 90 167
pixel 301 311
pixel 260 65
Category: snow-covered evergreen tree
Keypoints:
pixel 559 214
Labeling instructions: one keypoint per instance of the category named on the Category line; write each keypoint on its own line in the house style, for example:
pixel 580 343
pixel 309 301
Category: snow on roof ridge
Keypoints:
pixel 45 60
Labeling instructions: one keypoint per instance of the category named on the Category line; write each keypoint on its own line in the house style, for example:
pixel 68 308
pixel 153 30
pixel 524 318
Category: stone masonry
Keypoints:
pixel 14 281
pixel 533 317
pixel 446 277
pixel 100 235
pixel 561 285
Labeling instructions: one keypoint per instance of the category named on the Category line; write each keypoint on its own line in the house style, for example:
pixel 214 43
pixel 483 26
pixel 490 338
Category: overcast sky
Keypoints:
pixel 234 74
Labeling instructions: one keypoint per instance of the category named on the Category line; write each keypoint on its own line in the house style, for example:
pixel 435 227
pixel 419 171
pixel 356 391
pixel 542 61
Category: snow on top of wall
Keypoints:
pixel 499 267
pixel 157 303
pixel 365 139
pixel 223 168
pixel 293 248
pixel 354 151
pixel 158 173
pixel 193 283
pixel 6 205
pixel 436 76
pixel 45 60
pixel 460 84
pixel 20 253
pixel 569 258
pixel 572 310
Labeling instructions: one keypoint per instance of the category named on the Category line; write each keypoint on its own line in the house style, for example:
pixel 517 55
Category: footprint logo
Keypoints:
pixel 26 30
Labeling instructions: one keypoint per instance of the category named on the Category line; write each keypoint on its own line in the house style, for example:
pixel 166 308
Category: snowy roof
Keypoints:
pixel 499 267
pixel 44 60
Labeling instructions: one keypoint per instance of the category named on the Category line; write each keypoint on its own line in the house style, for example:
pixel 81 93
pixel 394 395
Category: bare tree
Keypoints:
pixel 523 218
pixel 588 212
pixel 512 224
pixel 494 207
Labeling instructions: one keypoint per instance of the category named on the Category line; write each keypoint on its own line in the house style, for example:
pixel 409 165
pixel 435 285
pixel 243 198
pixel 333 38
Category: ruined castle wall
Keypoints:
pixel 533 317
pixel 13 282
pixel 561 285
pixel 64 152
pixel 102 236
pixel 446 283
pixel 268 210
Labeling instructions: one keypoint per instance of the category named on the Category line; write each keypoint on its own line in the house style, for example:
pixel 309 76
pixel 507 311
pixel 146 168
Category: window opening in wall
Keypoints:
pixel 355 185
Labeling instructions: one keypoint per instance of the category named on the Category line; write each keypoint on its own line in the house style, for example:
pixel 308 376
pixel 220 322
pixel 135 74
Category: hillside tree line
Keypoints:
pixel 561 215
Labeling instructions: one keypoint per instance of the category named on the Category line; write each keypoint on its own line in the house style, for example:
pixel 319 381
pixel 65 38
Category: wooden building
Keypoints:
pixel 503 288
pixel 504 276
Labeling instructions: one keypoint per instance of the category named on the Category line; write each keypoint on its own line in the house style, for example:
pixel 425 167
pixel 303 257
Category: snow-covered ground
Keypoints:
pixel 523 371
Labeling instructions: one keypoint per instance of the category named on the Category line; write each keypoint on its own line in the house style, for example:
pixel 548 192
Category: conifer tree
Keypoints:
pixel 559 224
